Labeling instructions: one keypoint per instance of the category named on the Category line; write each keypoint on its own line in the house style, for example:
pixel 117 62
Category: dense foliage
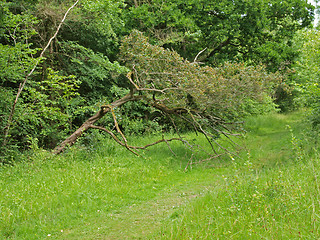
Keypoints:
pixel 226 91
pixel 308 72
pixel 254 31
pixel 82 68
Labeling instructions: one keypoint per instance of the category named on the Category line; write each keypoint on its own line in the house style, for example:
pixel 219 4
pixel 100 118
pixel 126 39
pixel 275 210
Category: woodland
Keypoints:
pixel 163 119
pixel 71 70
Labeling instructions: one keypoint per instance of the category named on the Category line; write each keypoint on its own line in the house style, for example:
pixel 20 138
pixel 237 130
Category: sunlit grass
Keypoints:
pixel 51 196
pixel 270 190
pixel 280 203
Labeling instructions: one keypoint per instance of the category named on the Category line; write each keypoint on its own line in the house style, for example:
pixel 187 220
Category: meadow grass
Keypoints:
pixel 75 194
pixel 269 191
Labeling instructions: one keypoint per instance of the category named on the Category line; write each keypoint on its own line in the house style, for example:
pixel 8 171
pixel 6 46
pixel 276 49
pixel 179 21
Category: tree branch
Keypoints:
pixel 89 123
pixel 219 47
pixel 129 147
pixel 115 138
pixel 195 59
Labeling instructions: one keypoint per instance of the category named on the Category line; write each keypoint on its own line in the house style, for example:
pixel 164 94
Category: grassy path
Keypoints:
pixel 268 142
pixel 270 191
pixel 140 221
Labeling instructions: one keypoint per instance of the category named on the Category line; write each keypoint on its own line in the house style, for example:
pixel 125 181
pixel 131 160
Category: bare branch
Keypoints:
pixel 159 141
pixel 117 127
pixel 115 138
pixel 203 132
pixel 88 124
pixel 124 144
pixel 169 146
pixel 130 78
pixel 195 59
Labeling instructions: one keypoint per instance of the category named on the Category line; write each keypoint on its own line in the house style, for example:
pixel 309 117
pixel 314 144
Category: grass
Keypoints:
pixel 270 191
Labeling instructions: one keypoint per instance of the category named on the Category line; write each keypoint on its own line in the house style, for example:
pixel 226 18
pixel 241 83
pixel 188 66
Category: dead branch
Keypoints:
pixel 146 84
pixel 89 123
pixel 117 126
pixel 115 138
pixel 160 141
pixel 195 59
pixel 203 132
pixel 129 147
pixel 167 142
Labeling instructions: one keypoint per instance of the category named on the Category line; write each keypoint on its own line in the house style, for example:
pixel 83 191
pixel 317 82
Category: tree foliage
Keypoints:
pixel 85 68
pixel 251 30
pixel 199 98
pixel 40 104
pixel 52 99
pixel 308 71
pixel 173 81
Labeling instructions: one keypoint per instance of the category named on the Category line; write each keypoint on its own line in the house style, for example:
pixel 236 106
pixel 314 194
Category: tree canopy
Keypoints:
pixel 307 67
pixel 251 30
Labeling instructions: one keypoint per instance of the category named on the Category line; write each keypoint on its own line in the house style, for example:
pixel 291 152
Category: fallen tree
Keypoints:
pixel 208 100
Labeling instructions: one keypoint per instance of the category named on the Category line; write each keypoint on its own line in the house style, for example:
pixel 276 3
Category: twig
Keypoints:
pixel 195 59
pixel 189 163
pixel 130 148
pixel 117 125
pixel 159 141
pixel 169 146
pixel 115 138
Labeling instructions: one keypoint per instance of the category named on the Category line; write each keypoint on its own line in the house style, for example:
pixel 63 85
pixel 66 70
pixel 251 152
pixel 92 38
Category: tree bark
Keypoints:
pixel 89 123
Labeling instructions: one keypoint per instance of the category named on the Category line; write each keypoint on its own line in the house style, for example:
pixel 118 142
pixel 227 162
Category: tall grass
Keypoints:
pixel 264 196
pixel 101 191
pixel 280 203
pixel 51 196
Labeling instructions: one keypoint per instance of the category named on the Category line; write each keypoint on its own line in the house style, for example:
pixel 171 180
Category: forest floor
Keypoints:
pixel 269 191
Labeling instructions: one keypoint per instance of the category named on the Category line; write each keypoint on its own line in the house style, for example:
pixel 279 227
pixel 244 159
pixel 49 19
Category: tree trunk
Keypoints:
pixel 87 124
